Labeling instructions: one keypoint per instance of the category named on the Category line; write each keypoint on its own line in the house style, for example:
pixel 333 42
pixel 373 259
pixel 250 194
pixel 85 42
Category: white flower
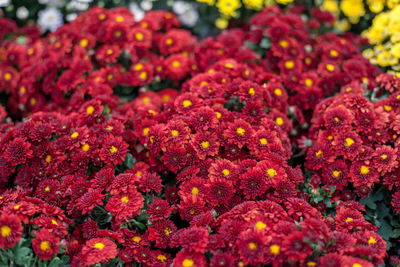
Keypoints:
pixel 189 18
pixel 78 5
pixel 136 11
pixel 50 19
pixel 71 17
pixel 22 12
pixel 146 5
pixel 4 3
pixel 180 7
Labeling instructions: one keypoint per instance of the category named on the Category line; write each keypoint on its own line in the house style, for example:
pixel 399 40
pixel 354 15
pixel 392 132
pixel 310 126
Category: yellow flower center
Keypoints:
pixel 271 173
pixel 113 149
pixel 319 153
pixel 119 18
pixel 143 75
pixel 263 141
pixel 84 43
pixel 384 156
pixel 252 91
pixel 85 147
pixel 333 53
pixel 145 131
pixel 279 121
pixel 174 133
pixel 136 239
pixel 357 265
pixel 364 170
pixel 260 225
pixel 169 41
pixel 387 108
pixel 167 231
pixel 284 43
pixel 7 76
pixel 48 158
pixel 161 258
pixel 348 219
pixel 205 144
pixel 275 249
pixel 125 199
pixel 139 36
pixel 109 51
pixel 90 110
pixel 240 131
pixel 330 67
pixel 54 222
pixel 278 92
pixel 44 245
pixel 252 245
pixel 74 135
pixel 336 173
pixel 176 64
pixel 187 103
pixel 47 189
pixel 99 246
pixel 371 240
pixel 5 231
pixel 187 263
pixel 348 142
pixel 289 64
pixel 309 82
pixel 195 191
pixel 226 172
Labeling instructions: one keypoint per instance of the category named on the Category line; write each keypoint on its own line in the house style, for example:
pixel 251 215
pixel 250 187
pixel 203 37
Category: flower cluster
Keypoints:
pixel 229 9
pixel 100 51
pixel 384 36
pixel 101 161
pixel 356 12
pixel 356 140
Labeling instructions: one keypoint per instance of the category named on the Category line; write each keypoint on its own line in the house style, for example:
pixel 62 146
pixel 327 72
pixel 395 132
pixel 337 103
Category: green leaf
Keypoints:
pixel 129 161
pixel 386 231
pixel 369 203
pixel 22 255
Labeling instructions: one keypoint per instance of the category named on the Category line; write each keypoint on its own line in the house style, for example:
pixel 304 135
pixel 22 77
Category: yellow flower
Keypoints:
pixel 221 23
pixel 228 7
pixel 376 6
pixel 253 4
pixel 331 6
pixel 395 50
pixel 393 3
pixel 342 25
pixel 210 2
pixel 385 59
pixel 284 2
pixel 354 9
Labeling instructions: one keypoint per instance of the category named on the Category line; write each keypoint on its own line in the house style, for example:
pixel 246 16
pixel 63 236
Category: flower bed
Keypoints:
pixel 135 142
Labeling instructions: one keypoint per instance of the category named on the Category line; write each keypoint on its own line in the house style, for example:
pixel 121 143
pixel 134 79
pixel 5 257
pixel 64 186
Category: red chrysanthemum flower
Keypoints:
pixel 205 144
pixel 219 191
pixel 45 244
pixel 222 259
pixel 185 258
pixel 362 173
pixel 253 183
pixel 193 239
pixel 98 250
pixel 296 248
pixel 159 209
pixel 89 200
pixel 125 205
pixel 338 118
pixel 385 159
pixel 161 232
pixel 251 247
pixel 396 201
pixel 114 150
pixel 10 230
pixel 223 169
pixel 239 133
pixel 17 151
